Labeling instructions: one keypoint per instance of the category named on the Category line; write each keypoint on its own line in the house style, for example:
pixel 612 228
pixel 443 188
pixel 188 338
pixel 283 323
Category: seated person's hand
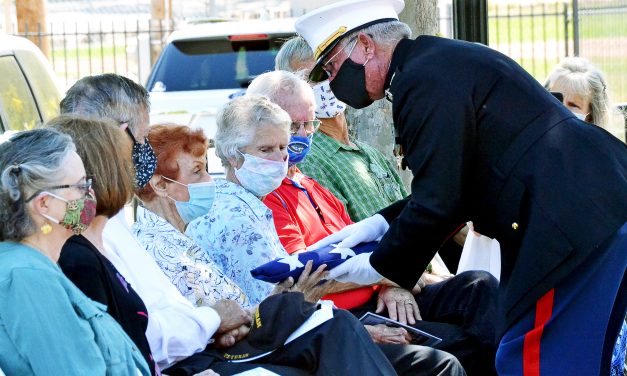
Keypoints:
pixel 232 315
pixel 431 278
pixel 460 236
pixel 388 334
pixel 419 285
pixel 308 282
pixel 231 337
pixel 283 286
pixel 400 303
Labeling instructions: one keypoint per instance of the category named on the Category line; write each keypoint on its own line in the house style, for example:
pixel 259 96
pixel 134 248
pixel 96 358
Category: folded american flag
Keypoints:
pixel 291 266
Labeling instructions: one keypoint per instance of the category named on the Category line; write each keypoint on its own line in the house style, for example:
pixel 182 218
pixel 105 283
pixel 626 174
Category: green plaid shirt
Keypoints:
pixel 358 176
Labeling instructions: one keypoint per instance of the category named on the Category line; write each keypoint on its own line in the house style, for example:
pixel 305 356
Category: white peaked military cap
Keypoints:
pixel 324 27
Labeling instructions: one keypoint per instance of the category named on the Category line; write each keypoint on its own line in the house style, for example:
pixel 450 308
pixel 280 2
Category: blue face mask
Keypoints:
pixel 201 196
pixel 298 148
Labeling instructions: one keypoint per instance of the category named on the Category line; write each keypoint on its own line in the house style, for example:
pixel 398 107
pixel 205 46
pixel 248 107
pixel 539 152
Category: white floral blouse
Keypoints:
pixel 238 234
pixel 199 279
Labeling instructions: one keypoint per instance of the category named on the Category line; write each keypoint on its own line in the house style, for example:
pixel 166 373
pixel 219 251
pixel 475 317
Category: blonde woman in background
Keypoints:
pixel 585 92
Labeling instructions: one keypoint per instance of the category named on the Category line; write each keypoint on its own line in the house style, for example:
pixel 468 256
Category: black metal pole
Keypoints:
pixel 470 20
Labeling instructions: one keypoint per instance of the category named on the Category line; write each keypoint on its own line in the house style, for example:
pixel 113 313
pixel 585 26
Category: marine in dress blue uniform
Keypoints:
pixel 485 142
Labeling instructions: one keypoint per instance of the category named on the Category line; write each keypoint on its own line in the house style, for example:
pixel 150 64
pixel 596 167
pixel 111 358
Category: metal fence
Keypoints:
pixel 79 49
pixel 539 34
pixel 535 34
pixel 601 33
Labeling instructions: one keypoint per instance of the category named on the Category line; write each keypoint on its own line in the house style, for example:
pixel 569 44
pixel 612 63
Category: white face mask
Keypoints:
pixel 261 176
pixel 580 116
pixel 327 106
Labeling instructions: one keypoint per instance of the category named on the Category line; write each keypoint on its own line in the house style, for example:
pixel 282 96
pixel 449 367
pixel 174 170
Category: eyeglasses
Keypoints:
pixel 85 188
pixel 326 67
pixel 310 126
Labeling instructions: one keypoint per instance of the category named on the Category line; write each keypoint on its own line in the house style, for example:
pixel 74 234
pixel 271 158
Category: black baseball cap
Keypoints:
pixel 275 319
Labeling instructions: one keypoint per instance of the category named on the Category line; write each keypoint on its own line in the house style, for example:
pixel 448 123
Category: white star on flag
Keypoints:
pixel 345 252
pixel 292 261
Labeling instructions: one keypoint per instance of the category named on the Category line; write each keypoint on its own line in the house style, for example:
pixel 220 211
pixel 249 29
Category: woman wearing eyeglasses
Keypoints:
pixel 106 154
pixel 47 325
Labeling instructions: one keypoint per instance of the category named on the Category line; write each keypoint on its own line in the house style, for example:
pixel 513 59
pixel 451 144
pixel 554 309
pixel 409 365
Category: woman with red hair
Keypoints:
pixel 174 196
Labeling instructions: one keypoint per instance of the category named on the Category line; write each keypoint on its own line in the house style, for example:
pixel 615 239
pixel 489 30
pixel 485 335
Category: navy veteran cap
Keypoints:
pixel 275 319
pixel 325 27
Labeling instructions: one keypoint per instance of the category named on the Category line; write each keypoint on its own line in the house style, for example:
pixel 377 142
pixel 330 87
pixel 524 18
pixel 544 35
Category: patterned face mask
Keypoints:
pixel 327 105
pixel 144 160
pixel 78 213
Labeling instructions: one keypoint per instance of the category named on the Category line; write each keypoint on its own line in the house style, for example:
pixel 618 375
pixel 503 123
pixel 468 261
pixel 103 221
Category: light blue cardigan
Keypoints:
pixel 44 327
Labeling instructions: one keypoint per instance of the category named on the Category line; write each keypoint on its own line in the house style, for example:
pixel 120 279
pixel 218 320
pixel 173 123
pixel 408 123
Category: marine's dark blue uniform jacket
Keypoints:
pixel 486 142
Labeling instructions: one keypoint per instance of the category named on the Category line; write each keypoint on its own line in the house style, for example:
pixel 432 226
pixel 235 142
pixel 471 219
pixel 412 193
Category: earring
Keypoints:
pixel 46 228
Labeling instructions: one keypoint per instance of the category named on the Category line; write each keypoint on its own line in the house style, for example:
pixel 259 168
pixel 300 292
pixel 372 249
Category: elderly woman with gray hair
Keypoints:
pixel 239 234
pixel 47 325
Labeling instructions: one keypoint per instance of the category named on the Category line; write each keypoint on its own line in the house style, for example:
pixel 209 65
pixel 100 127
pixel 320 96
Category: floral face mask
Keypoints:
pixel 78 213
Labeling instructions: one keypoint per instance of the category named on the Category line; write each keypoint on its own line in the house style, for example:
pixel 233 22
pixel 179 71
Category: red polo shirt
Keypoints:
pixel 305 214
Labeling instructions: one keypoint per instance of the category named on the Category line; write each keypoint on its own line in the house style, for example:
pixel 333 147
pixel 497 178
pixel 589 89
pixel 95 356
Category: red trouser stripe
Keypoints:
pixel 531 347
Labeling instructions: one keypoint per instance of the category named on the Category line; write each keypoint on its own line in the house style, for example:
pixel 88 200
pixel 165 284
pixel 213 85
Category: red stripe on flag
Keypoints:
pixel 531 347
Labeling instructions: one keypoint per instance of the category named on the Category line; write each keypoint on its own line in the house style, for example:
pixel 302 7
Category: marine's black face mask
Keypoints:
pixel 349 85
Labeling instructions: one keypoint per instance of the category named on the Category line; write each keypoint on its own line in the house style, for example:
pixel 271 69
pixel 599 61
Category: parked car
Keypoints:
pixel 29 94
pixel 204 66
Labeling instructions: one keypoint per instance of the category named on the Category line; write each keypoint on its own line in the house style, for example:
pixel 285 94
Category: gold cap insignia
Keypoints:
pixel 330 39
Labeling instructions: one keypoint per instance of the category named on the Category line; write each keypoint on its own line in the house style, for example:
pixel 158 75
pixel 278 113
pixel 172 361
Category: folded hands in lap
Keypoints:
pixel 234 323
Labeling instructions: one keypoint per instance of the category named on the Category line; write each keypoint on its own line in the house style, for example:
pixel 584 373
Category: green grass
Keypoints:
pixel 84 52
pixel 604 26
pixel 520 26
pixel 615 69
pixel 517 33
pixel 514 24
